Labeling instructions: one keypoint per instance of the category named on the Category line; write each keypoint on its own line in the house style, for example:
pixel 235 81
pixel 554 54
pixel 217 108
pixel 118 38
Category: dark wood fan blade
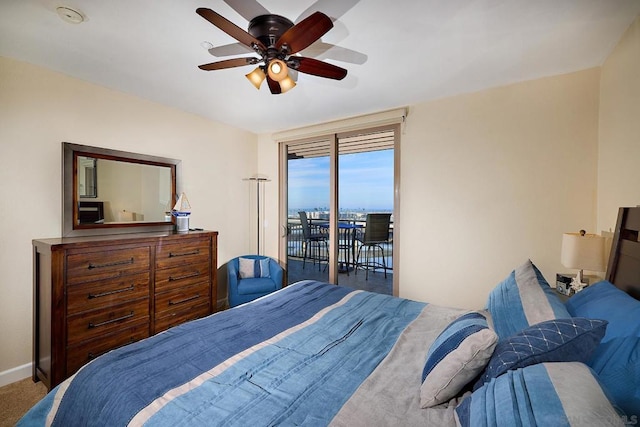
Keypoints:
pixel 229 63
pixel 303 34
pixel 229 27
pixel 274 86
pixel 317 68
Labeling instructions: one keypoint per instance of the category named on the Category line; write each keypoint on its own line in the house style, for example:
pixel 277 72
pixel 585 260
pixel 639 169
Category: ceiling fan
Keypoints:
pixel 276 40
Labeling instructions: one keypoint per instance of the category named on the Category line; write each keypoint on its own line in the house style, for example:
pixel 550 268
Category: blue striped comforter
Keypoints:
pixel 292 358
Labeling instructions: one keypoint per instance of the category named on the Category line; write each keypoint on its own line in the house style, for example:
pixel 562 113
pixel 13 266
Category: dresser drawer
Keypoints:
pixel 90 266
pixel 83 353
pixel 184 275
pixel 174 318
pixel 178 299
pixel 188 252
pixel 106 293
pixel 88 325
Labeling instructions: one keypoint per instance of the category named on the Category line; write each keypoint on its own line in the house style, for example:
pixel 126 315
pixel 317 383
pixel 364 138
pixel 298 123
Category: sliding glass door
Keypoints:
pixel 366 195
pixel 330 187
pixel 308 170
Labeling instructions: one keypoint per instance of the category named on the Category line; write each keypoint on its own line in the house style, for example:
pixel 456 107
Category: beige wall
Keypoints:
pixel 619 141
pixel 492 178
pixel 268 165
pixel 38 110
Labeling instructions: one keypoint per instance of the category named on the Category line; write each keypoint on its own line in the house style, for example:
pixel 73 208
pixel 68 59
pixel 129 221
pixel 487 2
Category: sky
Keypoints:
pixel 365 180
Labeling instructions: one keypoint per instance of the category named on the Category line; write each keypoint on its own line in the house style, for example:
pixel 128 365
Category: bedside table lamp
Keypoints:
pixel 582 251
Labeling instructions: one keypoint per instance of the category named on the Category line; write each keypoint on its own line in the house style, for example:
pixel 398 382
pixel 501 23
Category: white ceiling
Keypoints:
pixel 397 53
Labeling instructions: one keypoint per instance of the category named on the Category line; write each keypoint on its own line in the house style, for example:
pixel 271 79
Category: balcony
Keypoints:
pixel 316 262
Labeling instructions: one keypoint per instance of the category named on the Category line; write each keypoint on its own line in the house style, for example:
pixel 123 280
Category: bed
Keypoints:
pixel 319 354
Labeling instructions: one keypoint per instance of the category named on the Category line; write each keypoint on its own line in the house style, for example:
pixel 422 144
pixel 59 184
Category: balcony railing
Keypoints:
pixel 296 242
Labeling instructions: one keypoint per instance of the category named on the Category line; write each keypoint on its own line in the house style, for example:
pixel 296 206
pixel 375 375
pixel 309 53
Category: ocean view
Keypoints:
pixel 345 214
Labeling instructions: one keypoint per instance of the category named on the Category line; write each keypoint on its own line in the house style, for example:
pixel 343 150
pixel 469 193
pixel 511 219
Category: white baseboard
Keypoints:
pixel 15 374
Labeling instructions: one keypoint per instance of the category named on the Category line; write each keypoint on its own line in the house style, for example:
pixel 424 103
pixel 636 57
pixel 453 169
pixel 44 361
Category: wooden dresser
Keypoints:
pixel 94 294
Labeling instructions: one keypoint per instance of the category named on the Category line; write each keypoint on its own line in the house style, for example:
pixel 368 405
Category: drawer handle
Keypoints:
pixel 196 296
pixel 91 355
pixel 107 322
pixel 173 255
pixel 186 276
pixel 116 291
pixel 111 264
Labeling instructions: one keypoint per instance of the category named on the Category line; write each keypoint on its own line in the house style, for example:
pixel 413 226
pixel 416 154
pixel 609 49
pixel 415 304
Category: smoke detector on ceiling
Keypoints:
pixel 70 15
pixel 206 45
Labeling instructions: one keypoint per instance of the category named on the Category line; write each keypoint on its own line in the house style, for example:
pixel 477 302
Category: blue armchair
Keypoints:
pixel 243 290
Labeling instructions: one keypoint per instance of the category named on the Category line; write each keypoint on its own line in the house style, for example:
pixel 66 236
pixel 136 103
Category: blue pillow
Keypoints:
pixel 455 358
pixel 604 301
pixel 559 340
pixel 250 268
pixel 617 363
pixel 617 358
pixel 523 299
pixel 546 394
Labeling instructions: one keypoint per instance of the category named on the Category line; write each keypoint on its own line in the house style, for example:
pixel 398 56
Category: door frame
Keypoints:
pixel 333 196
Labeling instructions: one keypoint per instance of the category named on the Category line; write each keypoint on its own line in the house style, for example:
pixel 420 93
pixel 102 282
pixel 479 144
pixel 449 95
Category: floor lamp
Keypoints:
pixel 258 179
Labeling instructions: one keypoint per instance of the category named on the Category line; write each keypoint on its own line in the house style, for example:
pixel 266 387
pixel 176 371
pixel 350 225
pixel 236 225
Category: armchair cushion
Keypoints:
pixel 250 268
pixel 255 285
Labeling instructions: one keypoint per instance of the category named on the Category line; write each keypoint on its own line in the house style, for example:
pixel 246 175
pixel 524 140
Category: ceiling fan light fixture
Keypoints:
pixel 278 70
pixel 276 41
pixel 287 84
pixel 256 77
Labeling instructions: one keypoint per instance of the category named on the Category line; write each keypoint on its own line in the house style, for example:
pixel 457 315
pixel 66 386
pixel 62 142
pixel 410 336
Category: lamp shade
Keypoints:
pixel 582 252
pixel 278 70
pixel 256 77
pixel 286 84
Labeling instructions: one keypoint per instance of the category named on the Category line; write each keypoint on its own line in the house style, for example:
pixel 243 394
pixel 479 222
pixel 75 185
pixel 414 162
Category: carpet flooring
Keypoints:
pixel 17 398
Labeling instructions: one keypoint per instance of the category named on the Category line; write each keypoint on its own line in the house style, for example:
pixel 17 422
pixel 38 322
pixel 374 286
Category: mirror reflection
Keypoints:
pixel 122 192
pixel 87 177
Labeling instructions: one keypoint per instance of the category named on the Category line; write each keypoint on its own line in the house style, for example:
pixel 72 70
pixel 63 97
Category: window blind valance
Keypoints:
pixel 345 125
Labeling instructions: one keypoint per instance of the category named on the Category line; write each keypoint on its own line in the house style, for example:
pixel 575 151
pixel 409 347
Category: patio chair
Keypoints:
pixel 376 234
pixel 310 238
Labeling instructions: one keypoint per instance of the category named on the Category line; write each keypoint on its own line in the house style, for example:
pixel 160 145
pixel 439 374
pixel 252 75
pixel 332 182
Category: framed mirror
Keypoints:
pixel 108 191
